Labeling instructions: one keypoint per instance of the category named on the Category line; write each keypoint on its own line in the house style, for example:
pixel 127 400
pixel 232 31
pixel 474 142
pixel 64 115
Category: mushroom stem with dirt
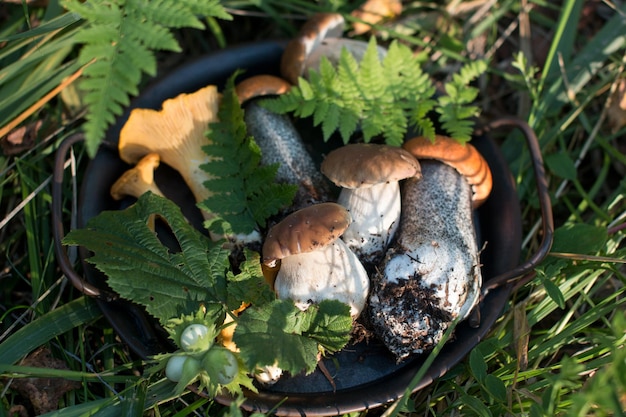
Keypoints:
pixel 431 274
pixel 369 175
pixel 315 264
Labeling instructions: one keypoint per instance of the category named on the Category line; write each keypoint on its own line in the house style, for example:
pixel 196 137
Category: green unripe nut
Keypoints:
pixel 196 338
pixel 174 368
pixel 221 365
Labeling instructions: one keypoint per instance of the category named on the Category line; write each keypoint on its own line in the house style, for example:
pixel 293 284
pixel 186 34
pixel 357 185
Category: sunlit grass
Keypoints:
pixel 558 349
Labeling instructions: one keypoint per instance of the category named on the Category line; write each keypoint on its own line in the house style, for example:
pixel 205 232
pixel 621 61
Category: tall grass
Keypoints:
pixel 558 349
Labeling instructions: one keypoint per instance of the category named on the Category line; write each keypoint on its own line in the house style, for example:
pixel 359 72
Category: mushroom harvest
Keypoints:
pixel 430 275
pixel 314 263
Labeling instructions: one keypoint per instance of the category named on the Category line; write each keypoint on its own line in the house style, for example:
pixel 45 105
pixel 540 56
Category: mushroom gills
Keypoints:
pixel 280 143
pixel 430 275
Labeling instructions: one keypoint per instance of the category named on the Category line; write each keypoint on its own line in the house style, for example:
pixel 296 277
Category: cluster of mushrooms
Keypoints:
pixel 395 241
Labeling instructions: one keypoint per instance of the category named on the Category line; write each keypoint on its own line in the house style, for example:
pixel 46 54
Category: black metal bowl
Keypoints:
pixel 366 375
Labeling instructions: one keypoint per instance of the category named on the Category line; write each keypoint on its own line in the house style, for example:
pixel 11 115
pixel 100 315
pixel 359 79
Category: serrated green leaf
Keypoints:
pixel 382 97
pixel 263 332
pixel 140 267
pixel 330 324
pixel 249 285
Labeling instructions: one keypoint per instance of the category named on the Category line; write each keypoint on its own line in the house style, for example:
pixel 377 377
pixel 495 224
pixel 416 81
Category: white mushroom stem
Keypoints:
pixel 375 213
pixel 268 375
pixel 333 272
pixel 431 273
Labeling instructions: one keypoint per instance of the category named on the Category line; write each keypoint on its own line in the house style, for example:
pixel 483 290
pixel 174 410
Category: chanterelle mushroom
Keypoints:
pixel 314 263
pixel 176 134
pixel 369 175
pixel 138 180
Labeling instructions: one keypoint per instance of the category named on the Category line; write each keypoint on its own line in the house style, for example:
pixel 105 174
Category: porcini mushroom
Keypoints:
pixel 430 275
pixel 260 86
pixel 369 175
pixel 138 179
pixel 314 263
pixel 319 37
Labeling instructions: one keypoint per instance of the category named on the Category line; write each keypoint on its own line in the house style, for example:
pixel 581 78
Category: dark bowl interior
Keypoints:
pixel 365 375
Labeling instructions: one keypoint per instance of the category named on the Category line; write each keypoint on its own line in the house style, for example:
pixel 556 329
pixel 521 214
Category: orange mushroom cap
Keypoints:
pixel 462 157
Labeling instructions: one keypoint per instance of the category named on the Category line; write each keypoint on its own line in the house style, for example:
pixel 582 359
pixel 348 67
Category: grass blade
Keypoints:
pixel 63 319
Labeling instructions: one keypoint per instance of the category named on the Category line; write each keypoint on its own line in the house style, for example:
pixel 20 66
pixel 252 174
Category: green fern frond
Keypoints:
pixel 119 43
pixel 381 97
pixel 455 108
pixel 243 192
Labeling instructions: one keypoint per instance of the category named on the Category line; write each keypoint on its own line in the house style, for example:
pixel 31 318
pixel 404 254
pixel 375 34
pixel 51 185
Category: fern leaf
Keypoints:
pixel 381 97
pixel 120 39
pixel 456 108
pixel 244 193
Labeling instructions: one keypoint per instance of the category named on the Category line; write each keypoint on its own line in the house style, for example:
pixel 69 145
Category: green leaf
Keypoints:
pixel 44 328
pixel 554 293
pixel 141 268
pixel 263 334
pixel 477 364
pixel 120 32
pixel 561 165
pixel 243 192
pixel 330 324
pixel 579 238
pixel 381 97
pixel 249 284
pixel 496 388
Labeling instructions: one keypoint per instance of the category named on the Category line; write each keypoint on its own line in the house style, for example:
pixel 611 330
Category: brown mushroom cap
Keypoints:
pixel 317 28
pixel 462 157
pixel 367 164
pixel 305 230
pixel 261 85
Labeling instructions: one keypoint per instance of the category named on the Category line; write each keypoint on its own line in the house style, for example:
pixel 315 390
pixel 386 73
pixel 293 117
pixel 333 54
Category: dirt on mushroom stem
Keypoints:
pixel 435 256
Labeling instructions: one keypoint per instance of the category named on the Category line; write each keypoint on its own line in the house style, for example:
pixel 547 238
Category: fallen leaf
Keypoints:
pixel 616 113
pixel 20 139
pixel 44 393
pixel 374 11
